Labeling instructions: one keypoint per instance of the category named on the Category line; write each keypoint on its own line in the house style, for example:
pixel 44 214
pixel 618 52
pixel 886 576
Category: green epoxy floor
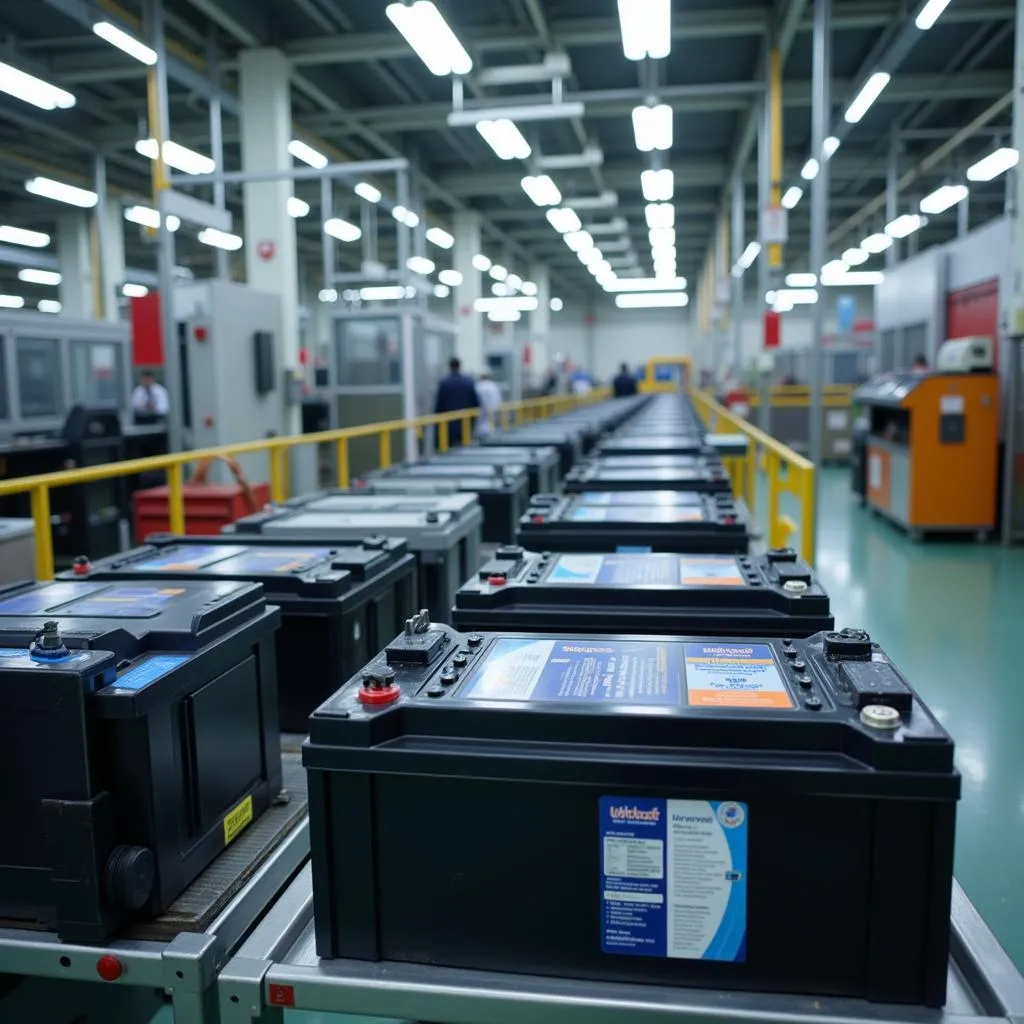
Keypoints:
pixel 951 615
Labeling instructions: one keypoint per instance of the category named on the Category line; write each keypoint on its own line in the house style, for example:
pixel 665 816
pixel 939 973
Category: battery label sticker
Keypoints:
pixel 710 572
pixel 669 499
pixel 188 558
pixel 256 561
pixel 643 673
pixel 734 676
pixel 149 671
pixel 128 602
pixel 620 570
pixel 637 514
pixel 236 820
pixel 43 599
pixel 674 878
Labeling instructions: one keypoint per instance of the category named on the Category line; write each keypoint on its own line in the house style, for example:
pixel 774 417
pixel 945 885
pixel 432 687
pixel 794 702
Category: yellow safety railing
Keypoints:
pixel 277 449
pixel 798 396
pixel 786 472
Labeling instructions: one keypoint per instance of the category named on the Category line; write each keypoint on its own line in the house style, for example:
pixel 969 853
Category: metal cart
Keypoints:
pixel 277 968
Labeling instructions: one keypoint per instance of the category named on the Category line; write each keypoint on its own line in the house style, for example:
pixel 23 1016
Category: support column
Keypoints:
pixel 892 196
pixel 540 325
pixel 74 257
pixel 469 327
pixel 963 217
pixel 738 245
pixel 266 131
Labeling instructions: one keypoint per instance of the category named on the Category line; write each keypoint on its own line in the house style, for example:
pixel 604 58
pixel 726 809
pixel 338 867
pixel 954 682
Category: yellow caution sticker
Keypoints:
pixel 236 819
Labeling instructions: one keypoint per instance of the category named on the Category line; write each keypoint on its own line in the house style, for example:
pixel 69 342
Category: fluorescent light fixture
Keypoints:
pixel 297 207
pixel 770 297
pixel 876 243
pixel 663 254
pixel 855 257
pixel 181 158
pixel 646 300
pixel 11 301
pixel 71 194
pixel 660 215
pixel 328 294
pixel 441 238
pixel 652 127
pixel 541 190
pixel 943 198
pixel 832 269
pixel 781 304
pixel 661 237
pixel 386 293
pixel 752 251
pixel 481 263
pixel 657 186
pixel 499 289
pixel 23 236
pixel 529 288
pixel 504 138
pixel 343 230
pixel 220 239
pixel 150 218
pixel 307 154
pixel 405 216
pixel 853 278
pixel 49 306
pixel 441 291
pixel 134 291
pixel 930 13
pixel 556 305
pixel 831 144
pixel 600 268
pixel 504 316
pixel 498 272
pixel 564 220
pixel 30 89
pixel 515 282
pixel 521 302
pixel 452 278
pixel 123 41
pixel 793 196
pixel 796 296
pixel 810 170
pixel 588 257
pixel 870 92
pixel 33 275
pixel 368 192
pixel 800 281
pixel 648 284
pixel 578 241
pixel 646 28
pixel 420 264
pixel 993 165
pixel 905 225
pixel 423 27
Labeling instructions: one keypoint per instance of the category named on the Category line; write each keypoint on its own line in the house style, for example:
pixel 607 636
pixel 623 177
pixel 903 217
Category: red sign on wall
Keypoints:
pixel 772 329
pixel 265 249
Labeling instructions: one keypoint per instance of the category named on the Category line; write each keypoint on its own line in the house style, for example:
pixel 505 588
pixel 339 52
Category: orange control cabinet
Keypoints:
pixel 932 450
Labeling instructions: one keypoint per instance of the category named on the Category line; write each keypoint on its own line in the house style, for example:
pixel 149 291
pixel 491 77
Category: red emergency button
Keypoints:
pixel 109 968
pixel 536 519
pixel 497 581
pixel 81 566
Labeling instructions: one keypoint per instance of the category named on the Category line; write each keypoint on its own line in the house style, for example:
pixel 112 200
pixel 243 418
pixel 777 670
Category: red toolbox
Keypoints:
pixel 208 507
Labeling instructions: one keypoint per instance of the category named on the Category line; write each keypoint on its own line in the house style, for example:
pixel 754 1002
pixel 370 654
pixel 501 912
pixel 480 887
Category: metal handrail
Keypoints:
pixel 38 487
pixel 787 472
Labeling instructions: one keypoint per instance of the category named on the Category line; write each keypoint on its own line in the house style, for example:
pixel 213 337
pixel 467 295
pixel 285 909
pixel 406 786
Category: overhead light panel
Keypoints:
pixel 855 257
pixel 500 289
pixel 564 220
pixel 452 278
pixel 30 89
pixel 590 256
pixel 870 92
pixel 876 243
pixel 993 165
pixel 423 27
pixel 658 186
pixel 833 269
pixel 801 280
pixel 809 171
pixel 646 28
pixel 515 282
pixel 900 227
pixel 441 291
pixel 368 192
pixel 220 239
pixel 481 263
pixel 930 13
pixel 660 215
pixel 831 144
pixel 752 251
pixel 125 42
pixel 134 291
pixel 343 230
pixel 385 293
pixel 578 241
pixel 49 306
pixel 797 296
pixel 11 302
pixel 63 193
pixel 793 196
pixel 556 305
pixel 23 236
pixel 529 288
pixel 181 158
pixel 504 316
pixel 297 207
pixel 420 264
pixel 33 275
pixel 652 127
pixel 541 190
pixel 308 155
pixel 405 216
pixel 943 198
pixel 505 138
pixel 853 279
pixel 524 303
pixel 646 300
pixel 498 272
pixel 659 237
pixel 648 284
pixel 150 218
pixel 441 238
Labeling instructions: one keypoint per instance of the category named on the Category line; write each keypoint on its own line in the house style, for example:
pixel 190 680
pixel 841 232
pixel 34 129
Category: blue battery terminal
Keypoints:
pixel 48 645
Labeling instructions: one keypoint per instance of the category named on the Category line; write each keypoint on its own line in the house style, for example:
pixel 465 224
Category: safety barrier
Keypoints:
pixel 785 472
pixel 277 448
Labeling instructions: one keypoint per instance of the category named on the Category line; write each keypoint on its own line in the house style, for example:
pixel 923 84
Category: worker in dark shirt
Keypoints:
pixel 625 383
pixel 456 391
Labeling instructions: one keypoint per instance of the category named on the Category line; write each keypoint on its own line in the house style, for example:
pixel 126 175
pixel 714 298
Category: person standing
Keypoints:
pixel 490 402
pixel 624 384
pixel 150 398
pixel 455 392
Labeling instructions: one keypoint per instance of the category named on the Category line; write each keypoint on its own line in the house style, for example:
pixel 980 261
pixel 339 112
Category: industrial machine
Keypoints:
pixel 569 440
pixel 541 463
pixel 671 474
pixel 337 603
pixel 774 815
pixel 684 521
pixel 140 738
pixel 774 594
pixel 17 550
pixel 932 447
pixel 443 531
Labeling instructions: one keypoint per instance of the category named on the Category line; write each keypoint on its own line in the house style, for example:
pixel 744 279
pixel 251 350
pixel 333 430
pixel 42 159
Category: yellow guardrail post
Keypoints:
pixel 467 428
pixel 40 503
pixel 753 455
pixel 278 473
pixel 343 471
pixel 176 498
pixel 774 533
pixel 442 436
pixel 808 542
pixel 385 449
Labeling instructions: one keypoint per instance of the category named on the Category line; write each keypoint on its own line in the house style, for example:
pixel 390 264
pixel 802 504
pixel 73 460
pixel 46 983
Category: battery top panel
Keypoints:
pixel 234 560
pixel 651 499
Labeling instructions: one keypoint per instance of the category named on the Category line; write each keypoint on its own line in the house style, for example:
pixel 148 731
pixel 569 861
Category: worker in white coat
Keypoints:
pixel 490 402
